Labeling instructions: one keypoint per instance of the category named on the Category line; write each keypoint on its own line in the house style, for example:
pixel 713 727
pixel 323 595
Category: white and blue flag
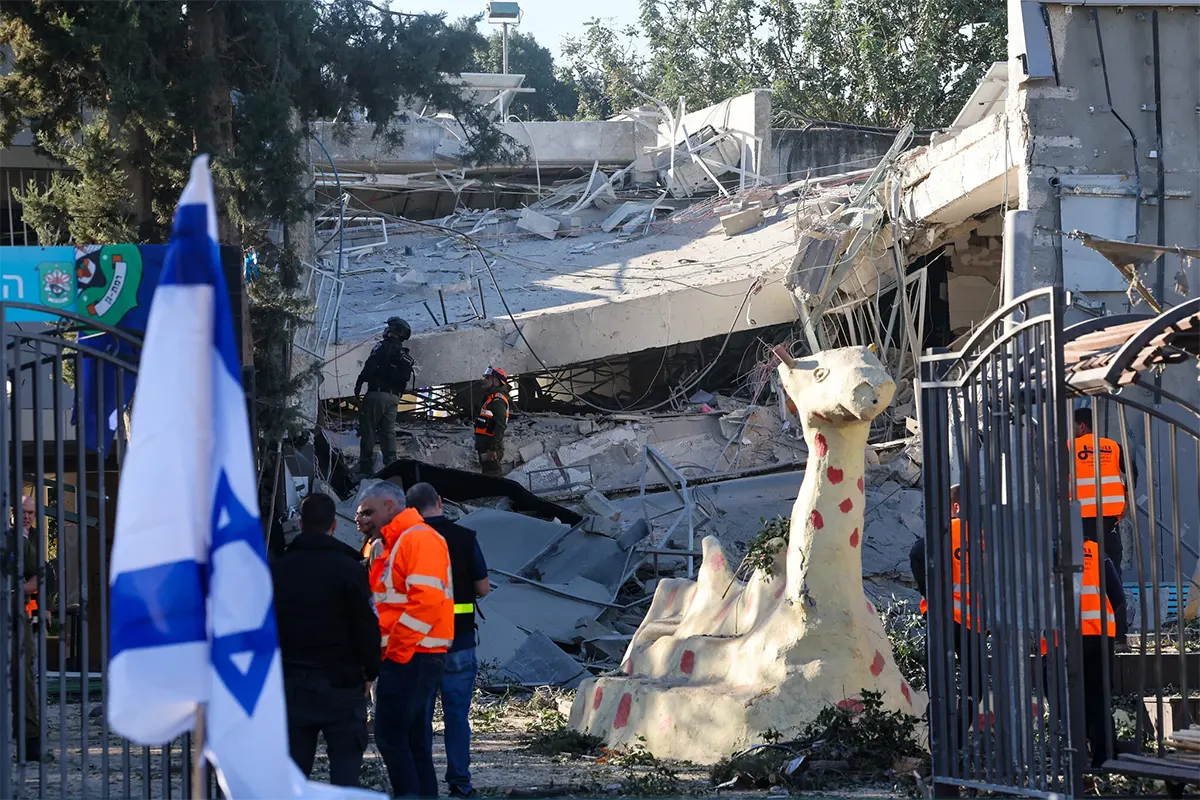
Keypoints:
pixel 193 619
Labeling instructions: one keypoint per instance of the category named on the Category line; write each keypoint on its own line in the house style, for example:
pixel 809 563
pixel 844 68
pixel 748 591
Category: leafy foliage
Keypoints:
pixel 850 61
pixel 907 632
pixel 125 92
pixel 868 738
pixel 605 67
pixel 760 555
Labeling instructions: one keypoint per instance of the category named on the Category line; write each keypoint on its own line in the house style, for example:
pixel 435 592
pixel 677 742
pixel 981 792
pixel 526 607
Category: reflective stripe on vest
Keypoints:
pixel 389 593
pixel 1090 598
pixel 464 608
pixel 485 423
pixel 1089 450
pixel 426 580
pixel 960 567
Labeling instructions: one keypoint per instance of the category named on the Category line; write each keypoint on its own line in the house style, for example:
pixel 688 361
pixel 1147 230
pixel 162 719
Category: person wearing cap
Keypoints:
pixel 492 421
pixel 386 373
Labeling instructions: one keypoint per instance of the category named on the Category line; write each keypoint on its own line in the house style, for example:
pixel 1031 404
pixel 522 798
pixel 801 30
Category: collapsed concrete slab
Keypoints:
pixel 718 662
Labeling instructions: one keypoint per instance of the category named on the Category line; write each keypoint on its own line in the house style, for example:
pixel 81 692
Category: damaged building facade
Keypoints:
pixel 634 273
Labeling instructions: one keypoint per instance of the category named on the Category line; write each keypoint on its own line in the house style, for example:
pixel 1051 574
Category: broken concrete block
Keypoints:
pixel 601 506
pixel 604 526
pixel 540 662
pixel 740 221
pixel 540 224
pixel 532 451
pixel 570 226
pixel 636 533
pixel 623 213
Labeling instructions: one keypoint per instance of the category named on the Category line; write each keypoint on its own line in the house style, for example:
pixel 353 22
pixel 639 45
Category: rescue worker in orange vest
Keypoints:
pixel 1102 624
pixel 1096 452
pixel 414 597
pixel 492 421
pixel 961 585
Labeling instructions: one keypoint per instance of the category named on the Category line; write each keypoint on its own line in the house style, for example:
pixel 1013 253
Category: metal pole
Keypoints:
pixel 505 56
pixel 1017 267
pixel 199 765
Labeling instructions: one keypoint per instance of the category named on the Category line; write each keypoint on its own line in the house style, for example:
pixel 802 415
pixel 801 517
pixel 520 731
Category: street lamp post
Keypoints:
pixel 504 14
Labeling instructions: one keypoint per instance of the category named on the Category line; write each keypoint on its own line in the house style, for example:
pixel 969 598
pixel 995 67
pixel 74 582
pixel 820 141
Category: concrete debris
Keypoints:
pixel 739 221
pixel 540 662
pixel 540 224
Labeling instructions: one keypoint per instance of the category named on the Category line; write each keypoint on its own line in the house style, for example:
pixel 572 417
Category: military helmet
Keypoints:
pixel 399 327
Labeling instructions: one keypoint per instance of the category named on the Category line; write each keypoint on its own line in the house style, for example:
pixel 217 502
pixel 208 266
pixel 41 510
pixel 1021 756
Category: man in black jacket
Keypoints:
pixel 386 373
pixel 329 639
pixel 470 577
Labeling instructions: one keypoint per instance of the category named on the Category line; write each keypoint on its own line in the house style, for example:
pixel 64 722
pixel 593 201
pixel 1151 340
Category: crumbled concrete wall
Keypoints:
pixel 748 116
pixel 1065 129
pixel 798 153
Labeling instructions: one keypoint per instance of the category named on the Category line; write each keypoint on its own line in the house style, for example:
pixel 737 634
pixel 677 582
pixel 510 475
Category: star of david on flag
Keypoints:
pixel 193 618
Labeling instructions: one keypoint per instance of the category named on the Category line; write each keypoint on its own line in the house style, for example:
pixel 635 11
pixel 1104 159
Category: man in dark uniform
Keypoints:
pixel 386 373
pixel 470 576
pixel 492 422
pixel 329 642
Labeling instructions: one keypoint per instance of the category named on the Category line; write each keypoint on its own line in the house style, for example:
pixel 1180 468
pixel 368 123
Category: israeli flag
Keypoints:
pixel 193 619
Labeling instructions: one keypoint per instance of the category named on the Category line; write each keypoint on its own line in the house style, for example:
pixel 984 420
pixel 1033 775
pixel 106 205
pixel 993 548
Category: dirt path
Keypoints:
pixel 501 761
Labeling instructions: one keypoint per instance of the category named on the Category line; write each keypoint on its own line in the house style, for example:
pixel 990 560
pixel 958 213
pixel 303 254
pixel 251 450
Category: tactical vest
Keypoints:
pixel 461 543
pixel 485 423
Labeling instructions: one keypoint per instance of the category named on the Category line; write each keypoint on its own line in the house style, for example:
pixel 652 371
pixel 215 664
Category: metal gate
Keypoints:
pixel 1005 711
pixel 55 655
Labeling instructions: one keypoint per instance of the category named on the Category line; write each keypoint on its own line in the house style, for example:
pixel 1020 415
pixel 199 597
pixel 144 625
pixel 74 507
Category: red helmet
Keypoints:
pixel 499 373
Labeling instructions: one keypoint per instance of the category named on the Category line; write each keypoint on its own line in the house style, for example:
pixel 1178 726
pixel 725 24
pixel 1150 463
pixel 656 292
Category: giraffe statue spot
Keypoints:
pixel 905 691
pixel 687 662
pixel 846 505
pixel 822 445
pixel 854 543
pixel 861 487
pixel 599 698
pixel 877 664
pixel 818 521
pixel 623 709
pixel 835 475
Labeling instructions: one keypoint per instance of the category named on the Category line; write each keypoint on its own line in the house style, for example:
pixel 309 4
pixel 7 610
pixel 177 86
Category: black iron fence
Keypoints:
pixel 54 576
pixel 1062 593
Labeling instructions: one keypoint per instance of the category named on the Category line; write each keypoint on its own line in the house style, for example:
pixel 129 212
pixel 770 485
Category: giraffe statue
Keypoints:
pixel 718 662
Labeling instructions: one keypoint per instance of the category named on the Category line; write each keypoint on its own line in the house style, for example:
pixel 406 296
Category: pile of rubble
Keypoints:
pixel 572 582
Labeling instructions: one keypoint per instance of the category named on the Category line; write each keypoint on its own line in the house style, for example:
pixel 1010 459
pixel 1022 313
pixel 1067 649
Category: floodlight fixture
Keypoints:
pixel 504 14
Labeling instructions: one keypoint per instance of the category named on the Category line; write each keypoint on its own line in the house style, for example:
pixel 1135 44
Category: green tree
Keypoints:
pixel 703 50
pixel 880 63
pixel 553 99
pixel 604 67
pixel 126 92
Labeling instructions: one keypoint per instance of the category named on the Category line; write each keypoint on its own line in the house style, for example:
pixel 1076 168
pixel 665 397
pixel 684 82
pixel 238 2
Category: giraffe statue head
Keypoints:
pixel 839 387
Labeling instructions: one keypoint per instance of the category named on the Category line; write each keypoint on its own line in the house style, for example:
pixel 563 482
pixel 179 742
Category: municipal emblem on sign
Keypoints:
pixel 109 277
pixel 56 281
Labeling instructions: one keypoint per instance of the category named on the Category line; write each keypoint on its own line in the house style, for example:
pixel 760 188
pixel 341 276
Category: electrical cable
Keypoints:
pixel 1137 170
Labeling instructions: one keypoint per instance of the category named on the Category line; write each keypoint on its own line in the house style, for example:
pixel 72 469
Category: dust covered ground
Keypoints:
pixel 502 761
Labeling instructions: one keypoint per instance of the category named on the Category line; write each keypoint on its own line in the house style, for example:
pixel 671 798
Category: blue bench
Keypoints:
pixel 1173 605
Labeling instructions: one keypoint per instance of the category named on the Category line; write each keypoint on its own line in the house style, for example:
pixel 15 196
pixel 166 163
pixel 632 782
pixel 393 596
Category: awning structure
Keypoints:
pixel 1109 352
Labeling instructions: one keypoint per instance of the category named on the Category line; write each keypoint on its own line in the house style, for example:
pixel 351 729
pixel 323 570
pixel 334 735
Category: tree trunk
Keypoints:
pixel 213 123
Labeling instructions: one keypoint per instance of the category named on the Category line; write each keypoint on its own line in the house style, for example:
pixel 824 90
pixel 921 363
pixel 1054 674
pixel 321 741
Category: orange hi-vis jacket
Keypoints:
pixel 960 576
pixel 413 589
pixel 1088 451
pixel 1090 599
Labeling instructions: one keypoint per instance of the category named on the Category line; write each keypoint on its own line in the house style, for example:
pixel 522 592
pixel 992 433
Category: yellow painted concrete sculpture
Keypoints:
pixel 718 662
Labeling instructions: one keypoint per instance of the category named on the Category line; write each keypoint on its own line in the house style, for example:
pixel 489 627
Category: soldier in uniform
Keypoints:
pixel 492 421
pixel 386 374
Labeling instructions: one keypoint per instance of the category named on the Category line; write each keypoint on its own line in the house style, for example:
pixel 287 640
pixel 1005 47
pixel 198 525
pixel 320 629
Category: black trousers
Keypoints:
pixel 966 677
pixel 1097 715
pixel 323 701
pixel 345 742
pixel 1110 527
